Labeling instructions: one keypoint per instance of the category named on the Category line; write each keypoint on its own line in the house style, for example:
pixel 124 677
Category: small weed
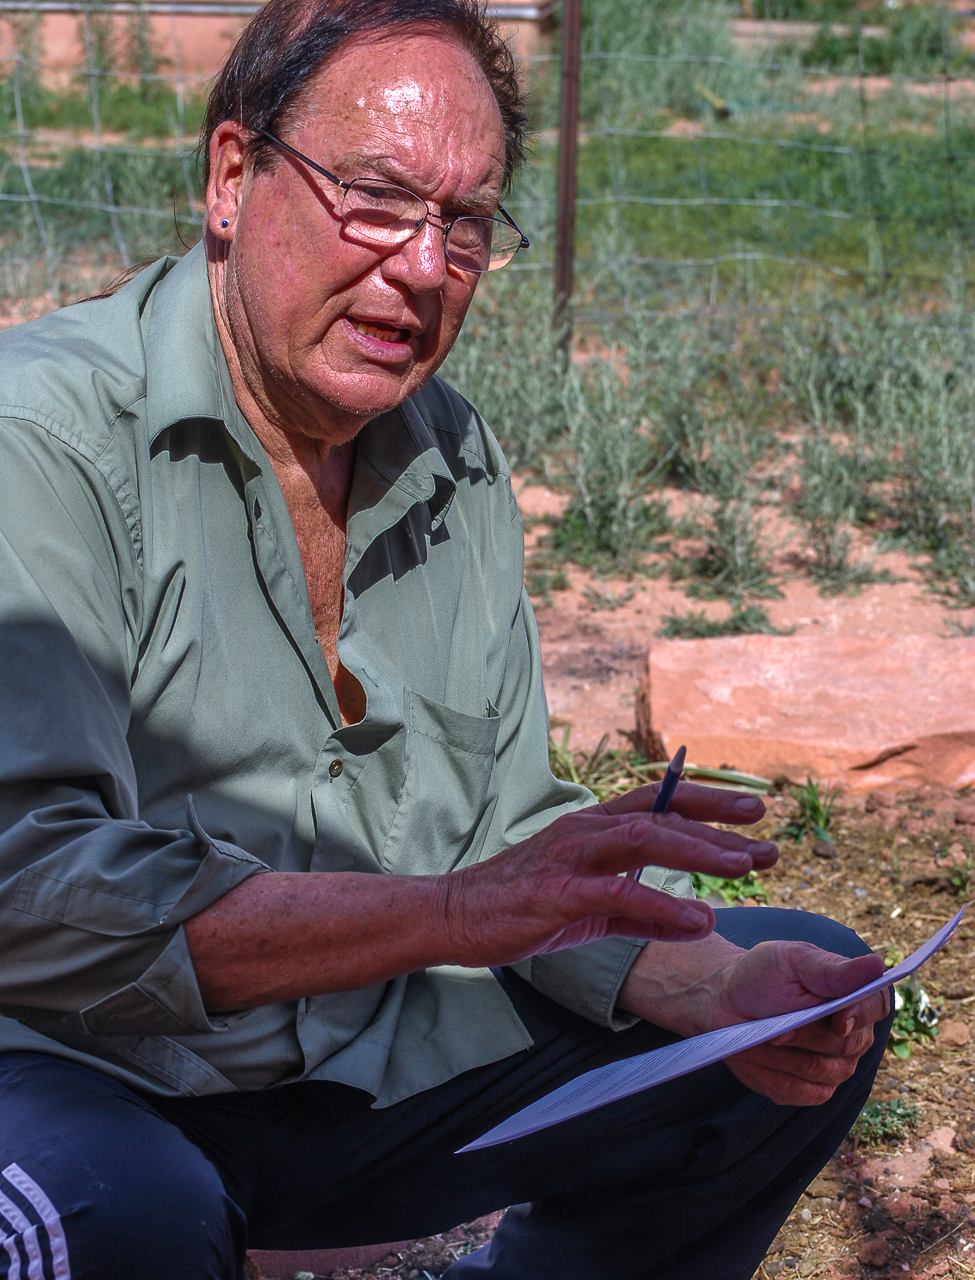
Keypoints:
pixel 600 531
pixel 962 877
pixel 892 956
pixel 748 620
pixel 735 563
pixel 732 891
pixel 813 813
pixel 915 1018
pixel 607 599
pixel 880 1120
pixel 836 485
pixel 610 461
pixel 958 630
pixel 652 568
pixel 540 582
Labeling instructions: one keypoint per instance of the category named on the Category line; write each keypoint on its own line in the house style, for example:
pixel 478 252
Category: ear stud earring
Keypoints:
pixel 225 223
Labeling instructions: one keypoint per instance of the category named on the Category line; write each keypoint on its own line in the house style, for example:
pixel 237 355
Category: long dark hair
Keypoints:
pixel 288 41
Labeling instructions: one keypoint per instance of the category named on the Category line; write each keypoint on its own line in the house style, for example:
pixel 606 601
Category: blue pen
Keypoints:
pixel 665 794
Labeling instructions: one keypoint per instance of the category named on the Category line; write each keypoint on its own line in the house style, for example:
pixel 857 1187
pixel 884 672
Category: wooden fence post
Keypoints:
pixel 568 144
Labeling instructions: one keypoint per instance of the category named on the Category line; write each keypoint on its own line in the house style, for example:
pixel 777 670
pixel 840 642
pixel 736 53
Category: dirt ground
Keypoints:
pixel 595 634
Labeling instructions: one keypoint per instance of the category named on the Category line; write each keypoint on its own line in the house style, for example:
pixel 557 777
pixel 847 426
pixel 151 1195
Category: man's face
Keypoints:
pixel 328 330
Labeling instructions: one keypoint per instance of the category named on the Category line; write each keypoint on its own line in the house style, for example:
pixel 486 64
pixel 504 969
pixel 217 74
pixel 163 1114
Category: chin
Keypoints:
pixel 383 398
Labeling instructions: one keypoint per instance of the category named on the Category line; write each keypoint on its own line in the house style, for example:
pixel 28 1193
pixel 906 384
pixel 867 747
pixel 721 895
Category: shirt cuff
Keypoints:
pixel 164 1001
pixel 587 979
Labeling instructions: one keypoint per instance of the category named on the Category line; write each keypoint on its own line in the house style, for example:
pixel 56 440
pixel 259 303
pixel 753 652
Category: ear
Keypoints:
pixel 228 166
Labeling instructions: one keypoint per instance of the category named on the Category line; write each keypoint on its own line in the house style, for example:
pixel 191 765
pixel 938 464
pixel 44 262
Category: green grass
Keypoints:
pixel 750 620
pixel 882 213
pixel 880 1121
pixel 813 813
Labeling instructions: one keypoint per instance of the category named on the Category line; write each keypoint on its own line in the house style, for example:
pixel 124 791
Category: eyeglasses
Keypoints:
pixel 384 213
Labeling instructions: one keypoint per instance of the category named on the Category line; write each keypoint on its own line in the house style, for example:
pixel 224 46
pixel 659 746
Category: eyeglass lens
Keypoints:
pixel 388 214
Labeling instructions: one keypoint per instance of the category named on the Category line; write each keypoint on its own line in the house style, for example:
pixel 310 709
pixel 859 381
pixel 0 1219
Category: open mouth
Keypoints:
pixel 383 332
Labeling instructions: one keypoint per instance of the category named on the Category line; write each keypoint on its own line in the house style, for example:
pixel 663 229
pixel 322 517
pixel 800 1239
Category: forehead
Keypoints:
pixel 412 96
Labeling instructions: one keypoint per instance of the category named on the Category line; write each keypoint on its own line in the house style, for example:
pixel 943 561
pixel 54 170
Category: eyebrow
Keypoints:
pixel 387 169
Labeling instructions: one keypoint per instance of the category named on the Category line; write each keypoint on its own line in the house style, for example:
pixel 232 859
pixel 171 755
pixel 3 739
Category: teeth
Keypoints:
pixel 375 331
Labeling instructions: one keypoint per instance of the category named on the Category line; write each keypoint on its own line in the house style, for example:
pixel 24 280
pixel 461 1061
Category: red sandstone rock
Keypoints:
pixel 901 1207
pixel 965 815
pixel 867 713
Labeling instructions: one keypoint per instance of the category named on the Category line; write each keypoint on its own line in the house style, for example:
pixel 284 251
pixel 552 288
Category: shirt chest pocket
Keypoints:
pixel 449 792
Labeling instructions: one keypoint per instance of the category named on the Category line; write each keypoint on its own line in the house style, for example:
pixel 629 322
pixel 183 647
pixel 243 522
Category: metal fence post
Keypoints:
pixel 568 143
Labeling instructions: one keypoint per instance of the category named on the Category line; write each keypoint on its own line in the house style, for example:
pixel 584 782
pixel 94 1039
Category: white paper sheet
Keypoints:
pixel 631 1075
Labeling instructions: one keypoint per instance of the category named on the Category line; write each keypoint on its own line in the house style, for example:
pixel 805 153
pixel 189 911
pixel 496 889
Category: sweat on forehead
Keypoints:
pixel 288 42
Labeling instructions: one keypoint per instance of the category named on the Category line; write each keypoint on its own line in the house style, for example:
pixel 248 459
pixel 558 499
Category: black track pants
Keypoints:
pixel 687 1181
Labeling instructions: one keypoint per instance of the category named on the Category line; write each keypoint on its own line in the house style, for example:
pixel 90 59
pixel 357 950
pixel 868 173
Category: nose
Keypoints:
pixel 421 263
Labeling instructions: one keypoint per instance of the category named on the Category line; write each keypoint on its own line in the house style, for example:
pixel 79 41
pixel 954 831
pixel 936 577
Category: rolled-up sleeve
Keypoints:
pixel 92 900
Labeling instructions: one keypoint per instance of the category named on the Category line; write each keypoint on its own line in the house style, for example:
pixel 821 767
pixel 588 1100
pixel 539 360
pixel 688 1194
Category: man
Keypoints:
pixel 273 779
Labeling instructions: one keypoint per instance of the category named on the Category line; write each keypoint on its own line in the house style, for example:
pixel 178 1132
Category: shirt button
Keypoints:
pixel 335 768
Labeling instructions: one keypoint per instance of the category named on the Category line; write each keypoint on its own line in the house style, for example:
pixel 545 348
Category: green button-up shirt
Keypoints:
pixel 168 726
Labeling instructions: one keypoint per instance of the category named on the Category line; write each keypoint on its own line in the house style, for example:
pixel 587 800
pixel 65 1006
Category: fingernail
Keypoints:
pixel 748 804
pixel 732 861
pixel 694 917
pixel 847 1027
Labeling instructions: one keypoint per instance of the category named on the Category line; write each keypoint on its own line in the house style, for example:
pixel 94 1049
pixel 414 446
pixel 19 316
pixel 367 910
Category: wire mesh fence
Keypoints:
pixel 99 109
pixel 770 161
pixel 773 266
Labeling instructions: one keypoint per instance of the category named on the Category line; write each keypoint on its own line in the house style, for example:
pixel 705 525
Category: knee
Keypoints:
pixel 746 928
pixel 125 1214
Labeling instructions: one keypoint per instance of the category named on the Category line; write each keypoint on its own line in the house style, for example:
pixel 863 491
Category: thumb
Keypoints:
pixel 829 976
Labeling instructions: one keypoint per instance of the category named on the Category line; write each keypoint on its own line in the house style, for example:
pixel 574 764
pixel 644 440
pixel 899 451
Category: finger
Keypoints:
pixel 638 911
pixel 828 1070
pixel 667 840
pixel 782 1087
pixel 862 1014
pixel 830 976
pixel 701 804
pixel 818 1037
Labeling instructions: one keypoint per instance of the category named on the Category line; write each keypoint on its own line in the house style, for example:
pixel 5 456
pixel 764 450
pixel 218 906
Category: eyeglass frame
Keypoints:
pixel 444 226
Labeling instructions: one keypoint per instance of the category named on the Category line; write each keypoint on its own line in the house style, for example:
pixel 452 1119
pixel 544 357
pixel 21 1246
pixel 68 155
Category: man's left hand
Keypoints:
pixel 803 1067
pixel 721 985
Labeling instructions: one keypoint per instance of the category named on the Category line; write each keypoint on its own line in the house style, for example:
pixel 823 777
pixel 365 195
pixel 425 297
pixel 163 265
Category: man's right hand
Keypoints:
pixel 563 887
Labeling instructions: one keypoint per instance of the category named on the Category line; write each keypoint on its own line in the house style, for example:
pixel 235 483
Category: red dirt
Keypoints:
pixel 594 657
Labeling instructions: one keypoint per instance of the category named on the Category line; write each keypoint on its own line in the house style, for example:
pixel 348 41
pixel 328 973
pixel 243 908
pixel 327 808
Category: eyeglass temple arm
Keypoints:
pixel 525 242
pixel 298 155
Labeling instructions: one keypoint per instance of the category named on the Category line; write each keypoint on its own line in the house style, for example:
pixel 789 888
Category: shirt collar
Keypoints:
pixel 185 365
